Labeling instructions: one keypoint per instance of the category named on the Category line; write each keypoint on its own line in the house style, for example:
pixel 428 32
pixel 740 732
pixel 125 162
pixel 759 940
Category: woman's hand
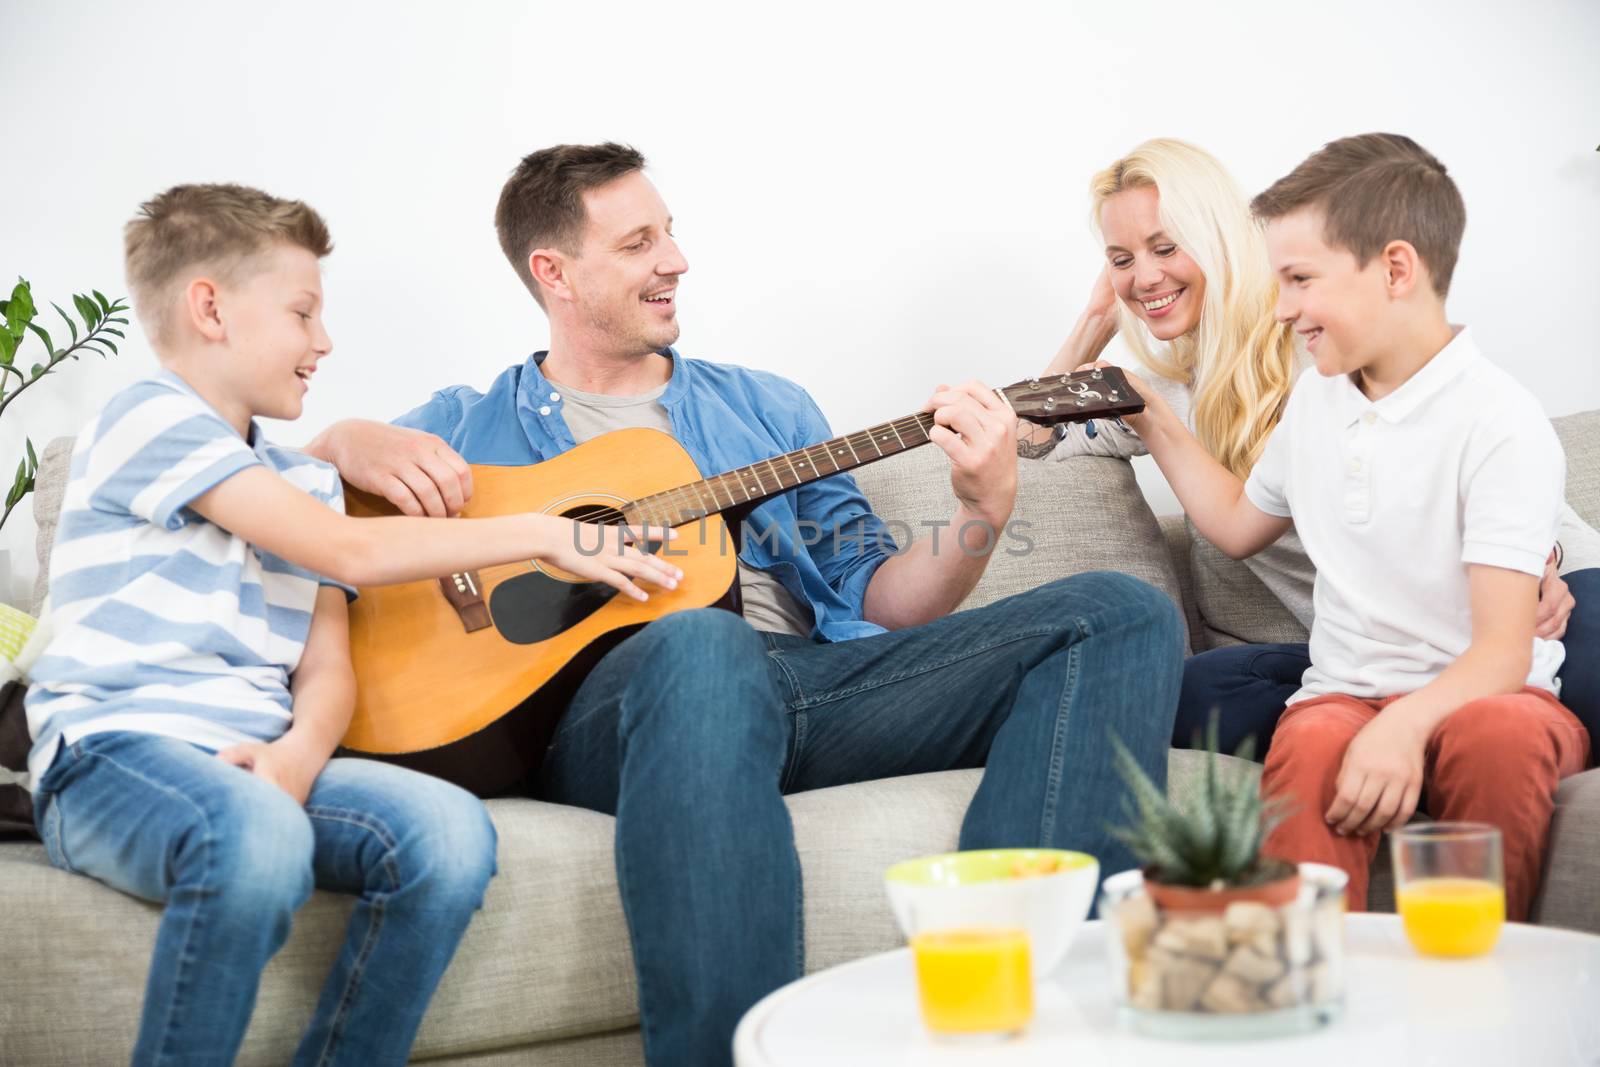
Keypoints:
pixel 1102 305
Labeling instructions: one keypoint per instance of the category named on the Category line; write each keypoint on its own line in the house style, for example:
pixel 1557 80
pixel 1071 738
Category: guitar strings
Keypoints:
pixel 690 495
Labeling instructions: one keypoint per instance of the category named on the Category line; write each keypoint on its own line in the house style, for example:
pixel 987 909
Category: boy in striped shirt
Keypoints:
pixel 199 678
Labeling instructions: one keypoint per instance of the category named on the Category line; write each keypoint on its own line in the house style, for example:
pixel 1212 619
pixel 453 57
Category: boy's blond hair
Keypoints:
pixel 219 229
pixel 1238 362
pixel 1372 189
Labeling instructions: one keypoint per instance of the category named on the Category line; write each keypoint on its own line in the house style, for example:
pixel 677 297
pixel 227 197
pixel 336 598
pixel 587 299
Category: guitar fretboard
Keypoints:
pixel 769 477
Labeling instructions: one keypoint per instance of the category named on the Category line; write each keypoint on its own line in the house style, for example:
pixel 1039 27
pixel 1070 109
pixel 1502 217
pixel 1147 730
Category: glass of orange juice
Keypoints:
pixel 1450 887
pixel 974 982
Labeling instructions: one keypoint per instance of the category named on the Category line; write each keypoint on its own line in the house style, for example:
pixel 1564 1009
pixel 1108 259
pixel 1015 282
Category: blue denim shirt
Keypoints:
pixel 725 417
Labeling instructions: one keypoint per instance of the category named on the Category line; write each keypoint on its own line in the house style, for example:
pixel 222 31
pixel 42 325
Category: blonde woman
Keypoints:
pixel 1188 286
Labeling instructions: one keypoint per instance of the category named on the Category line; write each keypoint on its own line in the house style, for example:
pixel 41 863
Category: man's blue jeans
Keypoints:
pixel 691 730
pixel 233 857
pixel 1249 685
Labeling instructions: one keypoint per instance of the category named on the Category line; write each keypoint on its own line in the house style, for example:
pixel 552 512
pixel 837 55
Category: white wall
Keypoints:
pixel 872 198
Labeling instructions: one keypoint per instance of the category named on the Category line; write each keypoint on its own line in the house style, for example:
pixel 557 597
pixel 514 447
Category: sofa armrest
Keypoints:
pixel 1570 894
pixel 49 486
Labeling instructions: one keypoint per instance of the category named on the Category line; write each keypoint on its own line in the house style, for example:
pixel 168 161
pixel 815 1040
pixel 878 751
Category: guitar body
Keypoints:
pixel 466 678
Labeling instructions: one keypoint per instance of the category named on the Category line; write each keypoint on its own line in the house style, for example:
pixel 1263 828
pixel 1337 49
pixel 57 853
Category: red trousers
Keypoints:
pixel 1495 760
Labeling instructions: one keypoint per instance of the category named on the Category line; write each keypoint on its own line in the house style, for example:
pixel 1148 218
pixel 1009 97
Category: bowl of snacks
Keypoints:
pixel 1042 891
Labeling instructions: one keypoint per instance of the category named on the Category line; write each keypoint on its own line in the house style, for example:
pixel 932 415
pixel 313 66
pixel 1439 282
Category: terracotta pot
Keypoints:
pixel 1275 894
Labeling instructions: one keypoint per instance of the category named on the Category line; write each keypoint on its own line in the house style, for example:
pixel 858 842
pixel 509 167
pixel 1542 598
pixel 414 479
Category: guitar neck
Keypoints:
pixel 752 484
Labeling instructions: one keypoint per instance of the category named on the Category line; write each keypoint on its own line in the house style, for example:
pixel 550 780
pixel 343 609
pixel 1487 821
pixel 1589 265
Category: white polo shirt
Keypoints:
pixel 1394 498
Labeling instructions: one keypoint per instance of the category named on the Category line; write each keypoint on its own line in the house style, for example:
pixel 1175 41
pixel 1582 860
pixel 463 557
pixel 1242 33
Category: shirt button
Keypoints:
pixel 1355 466
pixel 555 397
pixel 1369 418
pixel 545 410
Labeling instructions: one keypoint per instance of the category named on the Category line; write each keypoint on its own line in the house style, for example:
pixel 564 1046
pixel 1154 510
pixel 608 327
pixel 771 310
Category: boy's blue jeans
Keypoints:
pixel 233 856
pixel 691 730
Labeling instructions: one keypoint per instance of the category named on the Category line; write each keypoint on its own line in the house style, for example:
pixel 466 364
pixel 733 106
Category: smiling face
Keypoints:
pixel 275 336
pixel 1337 307
pixel 1150 273
pixel 624 281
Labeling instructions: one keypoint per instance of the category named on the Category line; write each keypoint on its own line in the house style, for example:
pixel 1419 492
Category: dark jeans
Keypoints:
pixel 691 730
pixel 1250 684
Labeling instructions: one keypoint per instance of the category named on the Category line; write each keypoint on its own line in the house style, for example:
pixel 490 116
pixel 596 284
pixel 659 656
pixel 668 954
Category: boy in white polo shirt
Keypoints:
pixel 1426 484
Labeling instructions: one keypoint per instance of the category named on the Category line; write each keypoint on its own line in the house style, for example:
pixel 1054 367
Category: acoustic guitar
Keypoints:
pixel 466 677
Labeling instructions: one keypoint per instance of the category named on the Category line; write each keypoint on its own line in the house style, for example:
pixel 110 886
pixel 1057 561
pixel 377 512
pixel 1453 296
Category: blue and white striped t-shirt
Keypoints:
pixel 163 622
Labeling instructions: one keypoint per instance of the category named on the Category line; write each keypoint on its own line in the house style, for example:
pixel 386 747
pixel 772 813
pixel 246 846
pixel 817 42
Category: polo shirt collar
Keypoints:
pixel 1446 366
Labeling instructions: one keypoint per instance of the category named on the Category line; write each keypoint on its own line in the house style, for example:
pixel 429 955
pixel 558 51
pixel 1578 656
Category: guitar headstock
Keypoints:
pixel 1101 393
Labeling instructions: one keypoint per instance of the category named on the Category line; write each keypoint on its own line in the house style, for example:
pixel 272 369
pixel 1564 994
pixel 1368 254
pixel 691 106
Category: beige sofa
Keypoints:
pixel 545 975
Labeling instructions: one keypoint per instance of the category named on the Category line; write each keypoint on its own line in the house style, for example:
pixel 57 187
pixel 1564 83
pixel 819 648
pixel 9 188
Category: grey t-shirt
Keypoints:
pixel 767 604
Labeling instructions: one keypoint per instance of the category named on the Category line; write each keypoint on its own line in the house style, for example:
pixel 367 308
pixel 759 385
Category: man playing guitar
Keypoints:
pixel 848 663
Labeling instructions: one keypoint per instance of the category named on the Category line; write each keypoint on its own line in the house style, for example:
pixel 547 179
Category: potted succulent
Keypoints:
pixel 1207 855
pixel 1213 937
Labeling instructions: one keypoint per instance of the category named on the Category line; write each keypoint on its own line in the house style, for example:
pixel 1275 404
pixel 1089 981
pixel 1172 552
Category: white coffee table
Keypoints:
pixel 1534 1001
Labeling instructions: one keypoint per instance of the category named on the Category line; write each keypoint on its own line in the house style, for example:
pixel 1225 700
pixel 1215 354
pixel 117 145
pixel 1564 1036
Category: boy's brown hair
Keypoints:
pixel 1373 189
pixel 219 228
pixel 541 205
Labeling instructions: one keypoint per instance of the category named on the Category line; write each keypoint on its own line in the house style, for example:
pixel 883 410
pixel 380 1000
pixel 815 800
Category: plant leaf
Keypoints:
pixel 105 305
pixel 33 459
pixel 18 485
pixel 19 309
pixel 108 344
pixel 49 348
pixel 86 308
pixel 8 347
pixel 38 371
pixel 68 319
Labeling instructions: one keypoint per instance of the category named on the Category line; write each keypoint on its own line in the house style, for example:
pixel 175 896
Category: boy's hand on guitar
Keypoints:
pixel 610 554
pixel 978 431
pixel 415 471
pixel 1153 404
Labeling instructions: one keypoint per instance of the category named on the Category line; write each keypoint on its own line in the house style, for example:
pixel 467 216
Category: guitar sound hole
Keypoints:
pixel 535 607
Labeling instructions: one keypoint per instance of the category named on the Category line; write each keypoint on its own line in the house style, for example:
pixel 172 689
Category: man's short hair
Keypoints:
pixel 1373 189
pixel 218 229
pixel 541 205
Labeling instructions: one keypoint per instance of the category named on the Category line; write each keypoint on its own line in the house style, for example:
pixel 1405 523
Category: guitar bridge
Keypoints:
pixel 465 593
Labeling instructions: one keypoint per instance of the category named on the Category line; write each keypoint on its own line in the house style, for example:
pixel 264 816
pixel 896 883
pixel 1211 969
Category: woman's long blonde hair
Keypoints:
pixel 1238 362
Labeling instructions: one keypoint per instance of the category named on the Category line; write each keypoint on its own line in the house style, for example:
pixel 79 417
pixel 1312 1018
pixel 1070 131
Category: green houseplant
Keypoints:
pixel 1205 855
pixel 101 319
pixel 1213 938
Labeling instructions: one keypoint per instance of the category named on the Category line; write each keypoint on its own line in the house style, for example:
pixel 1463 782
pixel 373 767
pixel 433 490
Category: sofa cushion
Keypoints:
pixel 1234 605
pixel 1081 514
pixel 1580 439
